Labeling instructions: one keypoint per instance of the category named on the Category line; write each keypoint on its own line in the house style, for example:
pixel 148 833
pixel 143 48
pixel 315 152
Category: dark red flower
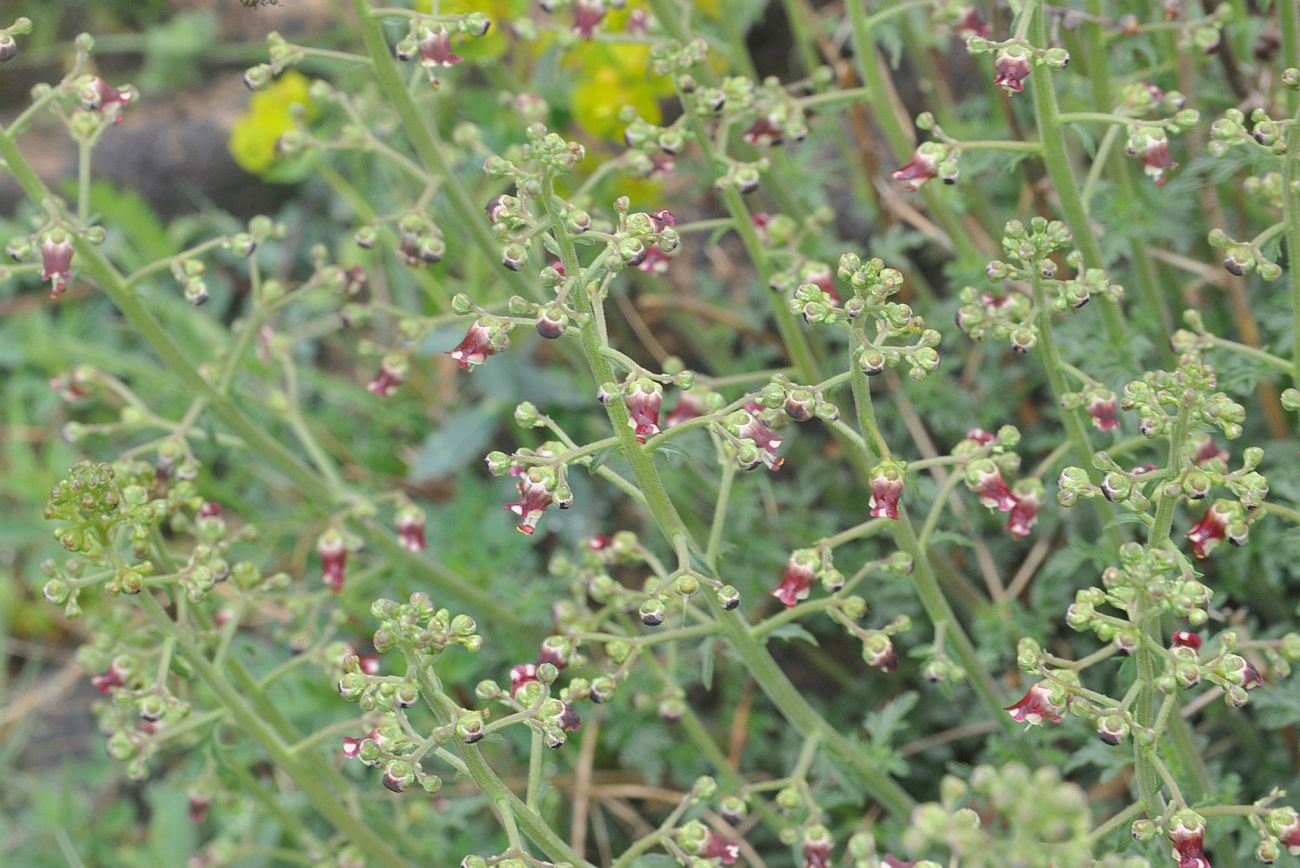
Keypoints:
pixel 352 746
pixel 587 15
pixel 1187 639
pixel 924 166
pixel 754 429
pixel 102 96
pixel 886 489
pixel 198 807
pixel 1103 409
pixel 524 673
pixel 1187 833
pixel 333 554
pixel 535 495
pixel 980 436
pixel 56 259
pixel 1012 70
pixel 1208 532
pixel 435 49
pixel 688 407
pixel 986 482
pixel 111 677
pixel 410 529
pixel 479 343
pixel 1023 516
pixel 392 373
pixel 797 579
pixel 1209 450
pixel 644 398
pixel 969 23
pixel 724 849
pixel 764 132
pixel 1041 703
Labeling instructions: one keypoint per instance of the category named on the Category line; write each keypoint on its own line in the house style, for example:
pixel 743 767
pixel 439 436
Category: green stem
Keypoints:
pixel 486 780
pixel 1057 161
pixel 1291 210
pixel 321 798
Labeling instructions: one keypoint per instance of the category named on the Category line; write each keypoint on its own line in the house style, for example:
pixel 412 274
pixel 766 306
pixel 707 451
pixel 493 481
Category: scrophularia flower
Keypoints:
pixel 483 339
pixel 1028 494
pixel 644 399
pixel 536 494
pixel 886 489
pixel 333 554
pixel 392 374
pixel 1187 834
pixel 410 528
pixel 985 481
pixel 1012 66
pixel 1041 703
pixel 797 578
pixel 1103 408
pixel 56 261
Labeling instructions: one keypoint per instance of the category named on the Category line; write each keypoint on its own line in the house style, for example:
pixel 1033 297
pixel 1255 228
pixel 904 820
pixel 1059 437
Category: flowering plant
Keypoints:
pixel 777 518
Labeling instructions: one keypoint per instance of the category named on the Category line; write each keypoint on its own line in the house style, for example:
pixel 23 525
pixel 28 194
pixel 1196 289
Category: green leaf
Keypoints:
pixel 793 631
pixel 706 663
pixel 462 440
pixel 884 723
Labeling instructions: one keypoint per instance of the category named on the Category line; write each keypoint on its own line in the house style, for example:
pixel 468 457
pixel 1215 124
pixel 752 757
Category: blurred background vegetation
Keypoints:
pixel 193 159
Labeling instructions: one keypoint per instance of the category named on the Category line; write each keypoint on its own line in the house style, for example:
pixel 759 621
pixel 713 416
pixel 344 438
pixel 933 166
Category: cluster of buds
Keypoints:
pixel 1014 59
pixel 1242 257
pixel 777 117
pixel 990 459
pixel 993 814
pixel 189 274
pixel 646 240
pixel 420 241
pixel 873 285
pixel 417 625
pixel 1029 258
pixel 800 403
pixel 651 148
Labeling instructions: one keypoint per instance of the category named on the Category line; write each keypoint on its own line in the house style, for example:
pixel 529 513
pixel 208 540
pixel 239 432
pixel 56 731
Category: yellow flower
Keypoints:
pixel 600 95
pixel 253 137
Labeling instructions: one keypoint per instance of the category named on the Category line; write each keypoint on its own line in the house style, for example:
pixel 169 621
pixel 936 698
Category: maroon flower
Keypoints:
pixel 1208 450
pixel 797 579
pixel 924 166
pixel 198 807
pixel 820 276
pixel 1024 515
pixel 755 430
pixel 111 677
pixel 980 436
pixel 1041 703
pixel 1288 831
pixel 886 488
pixel 70 386
pixel 392 373
pixel 568 719
pixel 689 406
pixel 764 132
pixel 1242 670
pixel 969 23
pixel 333 554
pixel 481 341
pixel 599 542
pixel 435 49
pixel 1208 532
pixel 210 509
pixel 100 95
pixel 644 398
pixel 817 847
pixel 56 258
pixel 723 849
pixel 352 746
pixel 985 480
pixel 1152 148
pixel 587 15
pixel 410 529
pixel 655 260
pixel 368 663
pixel 1103 407
pixel 1187 639
pixel 524 673
pixel 1012 69
pixel 760 221
pixel 535 495
pixel 1187 833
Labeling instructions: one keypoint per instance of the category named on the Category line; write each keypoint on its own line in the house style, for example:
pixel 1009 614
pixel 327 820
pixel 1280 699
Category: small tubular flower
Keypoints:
pixel 797 579
pixel 644 399
pixel 56 261
pixel 1041 703
pixel 484 338
pixel 985 481
pixel 537 491
pixel 886 483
